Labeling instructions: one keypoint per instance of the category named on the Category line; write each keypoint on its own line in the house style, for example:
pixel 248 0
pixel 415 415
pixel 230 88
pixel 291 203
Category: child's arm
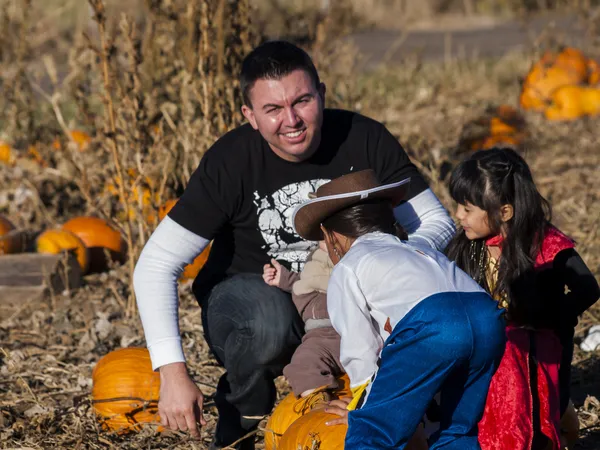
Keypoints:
pixel 277 275
pixel 348 310
pixel 581 289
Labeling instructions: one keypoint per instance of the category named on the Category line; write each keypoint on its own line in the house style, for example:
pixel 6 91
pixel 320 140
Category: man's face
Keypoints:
pixel 288 113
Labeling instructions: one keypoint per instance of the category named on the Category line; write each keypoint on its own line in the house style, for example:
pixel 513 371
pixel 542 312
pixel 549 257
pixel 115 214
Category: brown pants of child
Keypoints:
pixel 316 361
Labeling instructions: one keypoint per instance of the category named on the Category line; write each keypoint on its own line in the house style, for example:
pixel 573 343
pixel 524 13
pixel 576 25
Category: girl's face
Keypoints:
pixel 473 220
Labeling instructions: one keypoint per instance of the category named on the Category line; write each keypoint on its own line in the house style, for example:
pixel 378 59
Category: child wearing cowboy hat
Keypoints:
pixel 411 323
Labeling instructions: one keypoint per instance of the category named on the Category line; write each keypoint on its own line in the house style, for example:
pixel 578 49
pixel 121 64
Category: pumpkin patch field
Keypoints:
pixel 102 123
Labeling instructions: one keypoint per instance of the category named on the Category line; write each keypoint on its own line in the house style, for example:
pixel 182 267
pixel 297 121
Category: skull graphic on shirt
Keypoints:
pixel 275 212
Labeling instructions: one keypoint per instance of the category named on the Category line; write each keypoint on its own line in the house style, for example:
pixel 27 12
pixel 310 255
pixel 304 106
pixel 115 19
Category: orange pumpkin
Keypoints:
pixel 191 270
pixel 35 155
pixel 570 66
pixel 98 236
pixel 573 60
pixel 573 102
pixel 499 126
pixel 498 140
pixel 310 431
pixel 125 390
pixel 56 241
pixel 286 413
pixel 9 243
pixel 5 153
pixel 164 209
pixel 81 138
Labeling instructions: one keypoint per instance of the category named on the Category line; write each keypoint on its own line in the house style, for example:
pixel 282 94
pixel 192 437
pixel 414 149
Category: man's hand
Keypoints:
pixel 338 407
pixel 272 273
pixel 180 403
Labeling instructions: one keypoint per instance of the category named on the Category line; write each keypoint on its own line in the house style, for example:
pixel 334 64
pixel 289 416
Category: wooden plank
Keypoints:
pixel 13 298
pixel 56 272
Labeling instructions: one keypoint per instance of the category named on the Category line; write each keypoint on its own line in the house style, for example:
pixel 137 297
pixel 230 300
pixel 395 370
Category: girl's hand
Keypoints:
pixel 339 408
pixel 272 273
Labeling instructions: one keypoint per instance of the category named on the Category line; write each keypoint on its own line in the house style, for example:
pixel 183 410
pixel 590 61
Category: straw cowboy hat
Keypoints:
pixel 341 193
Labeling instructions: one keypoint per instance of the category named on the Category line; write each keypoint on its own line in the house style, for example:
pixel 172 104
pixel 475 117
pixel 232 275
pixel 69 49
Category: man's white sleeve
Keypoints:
pixel 170 248
pixel 360 342
pixel 426 220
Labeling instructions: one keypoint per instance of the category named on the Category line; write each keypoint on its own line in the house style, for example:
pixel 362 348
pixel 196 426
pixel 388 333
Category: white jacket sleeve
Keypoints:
pixel 426 220
pixel 170 248
pixel 360 342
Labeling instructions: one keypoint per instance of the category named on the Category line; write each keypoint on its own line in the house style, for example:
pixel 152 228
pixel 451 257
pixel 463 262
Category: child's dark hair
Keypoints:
pixel 272 61
pixel 365 217
pixel 490 179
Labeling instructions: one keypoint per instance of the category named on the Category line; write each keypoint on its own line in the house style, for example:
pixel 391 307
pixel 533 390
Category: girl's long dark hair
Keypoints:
pixel 488 180
pixel 365 217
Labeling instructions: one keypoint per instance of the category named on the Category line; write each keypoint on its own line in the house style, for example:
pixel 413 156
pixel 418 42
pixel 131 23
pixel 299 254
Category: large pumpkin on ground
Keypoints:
pixel 289 410
pixel 8 243
pixel 191 270
pixel 126 390
pixel 56 241
pixel 99 237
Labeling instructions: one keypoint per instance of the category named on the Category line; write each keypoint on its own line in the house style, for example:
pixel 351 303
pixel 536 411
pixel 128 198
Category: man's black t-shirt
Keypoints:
pixel 243 195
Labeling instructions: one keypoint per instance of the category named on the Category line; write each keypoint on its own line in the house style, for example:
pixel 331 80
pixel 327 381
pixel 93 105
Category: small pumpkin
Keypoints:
pixel 502 125
pixel 553 70
pixel 164 209
pixel 98 235
pixel 9 243
pixel 34 155
pixel 56 241
pixel 126 390
pixel 81 138
pixel 191 270
pixel 573 102
pixel 6 156
pixel 286 413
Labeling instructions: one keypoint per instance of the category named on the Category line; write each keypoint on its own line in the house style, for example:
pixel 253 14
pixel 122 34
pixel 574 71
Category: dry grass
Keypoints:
pixel 153 98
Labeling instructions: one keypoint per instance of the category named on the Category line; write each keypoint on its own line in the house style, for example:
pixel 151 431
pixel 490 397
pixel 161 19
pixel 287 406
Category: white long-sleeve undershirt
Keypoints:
pixel 171 247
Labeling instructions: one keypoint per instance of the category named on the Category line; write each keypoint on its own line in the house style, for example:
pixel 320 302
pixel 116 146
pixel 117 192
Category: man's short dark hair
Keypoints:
pixel 272 61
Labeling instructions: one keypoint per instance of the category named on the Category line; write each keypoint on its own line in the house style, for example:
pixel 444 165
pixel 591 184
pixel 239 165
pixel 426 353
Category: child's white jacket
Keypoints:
pixel 374 286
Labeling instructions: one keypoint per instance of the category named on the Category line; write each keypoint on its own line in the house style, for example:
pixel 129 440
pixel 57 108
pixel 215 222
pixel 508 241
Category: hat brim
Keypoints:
pixel 308 216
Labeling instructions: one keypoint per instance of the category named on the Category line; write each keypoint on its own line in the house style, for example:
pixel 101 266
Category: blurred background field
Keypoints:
pixel 107 107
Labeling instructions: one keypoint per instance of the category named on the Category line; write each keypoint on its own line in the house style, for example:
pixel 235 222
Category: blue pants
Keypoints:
pixel 449 343
pixel 253 330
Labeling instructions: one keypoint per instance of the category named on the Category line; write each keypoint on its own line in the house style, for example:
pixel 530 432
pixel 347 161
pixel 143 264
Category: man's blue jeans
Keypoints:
pixel 253 330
